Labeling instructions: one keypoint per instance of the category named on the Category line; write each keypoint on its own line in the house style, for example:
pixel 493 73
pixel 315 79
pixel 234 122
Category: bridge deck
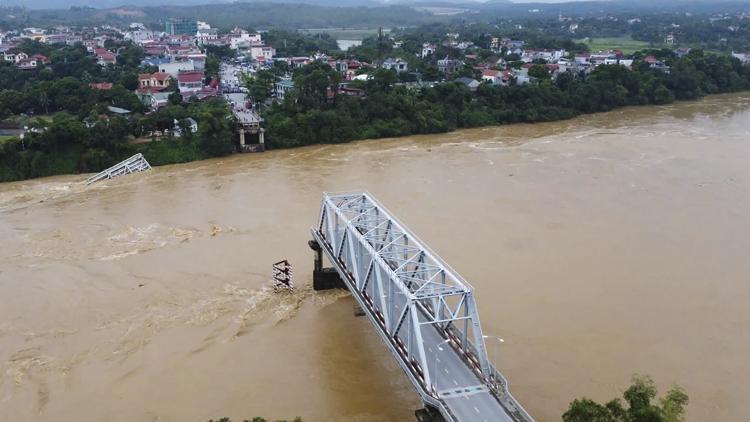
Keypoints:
pixel 418 318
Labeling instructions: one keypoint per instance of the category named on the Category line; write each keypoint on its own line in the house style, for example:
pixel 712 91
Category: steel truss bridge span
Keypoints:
pixel 423 310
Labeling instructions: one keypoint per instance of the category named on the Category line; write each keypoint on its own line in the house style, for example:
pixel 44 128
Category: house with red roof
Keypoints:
pixel 497 77
pixel 104 57
pixel 102 86
pixel 190 81
pixel 41 58
pixel 157 80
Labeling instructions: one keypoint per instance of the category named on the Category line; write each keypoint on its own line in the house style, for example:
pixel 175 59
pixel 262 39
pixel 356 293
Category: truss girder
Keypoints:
pixel 405 284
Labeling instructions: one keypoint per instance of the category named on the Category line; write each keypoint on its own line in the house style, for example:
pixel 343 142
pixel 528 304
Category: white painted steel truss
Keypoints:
pixel 405 284
pixel 131 165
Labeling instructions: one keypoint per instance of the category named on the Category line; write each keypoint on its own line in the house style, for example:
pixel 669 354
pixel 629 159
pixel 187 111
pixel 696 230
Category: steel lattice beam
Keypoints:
pixel 405 289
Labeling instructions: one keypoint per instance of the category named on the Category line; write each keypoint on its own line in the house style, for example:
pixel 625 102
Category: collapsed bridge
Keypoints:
pixel 423 310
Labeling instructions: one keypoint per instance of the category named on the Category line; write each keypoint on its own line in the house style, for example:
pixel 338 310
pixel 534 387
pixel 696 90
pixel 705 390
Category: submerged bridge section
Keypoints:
pixel 135 163
pixel 423 310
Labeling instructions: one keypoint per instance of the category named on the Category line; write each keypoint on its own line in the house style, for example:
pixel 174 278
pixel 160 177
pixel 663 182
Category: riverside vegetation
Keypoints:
pixel 79 137
pixel 310 115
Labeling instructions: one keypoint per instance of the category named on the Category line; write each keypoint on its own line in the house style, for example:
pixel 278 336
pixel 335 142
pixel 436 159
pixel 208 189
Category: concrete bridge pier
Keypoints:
pixel 428 414
pixel 324 278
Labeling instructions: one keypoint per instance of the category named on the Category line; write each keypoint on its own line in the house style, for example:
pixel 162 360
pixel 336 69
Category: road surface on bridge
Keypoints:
pixel 453 377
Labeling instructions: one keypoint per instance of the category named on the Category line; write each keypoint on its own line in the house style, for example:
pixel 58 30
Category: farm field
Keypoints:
pixel 345 34
pixel 626 44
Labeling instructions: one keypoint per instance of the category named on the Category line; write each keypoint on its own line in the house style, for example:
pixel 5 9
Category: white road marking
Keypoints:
pixel 476 410
pixel 446 370
pixel 455 382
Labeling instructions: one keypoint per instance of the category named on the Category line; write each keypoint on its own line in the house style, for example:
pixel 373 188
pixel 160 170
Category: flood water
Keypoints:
pixel 598 247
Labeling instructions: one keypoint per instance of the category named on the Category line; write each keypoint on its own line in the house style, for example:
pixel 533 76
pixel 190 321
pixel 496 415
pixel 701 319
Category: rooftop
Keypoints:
pixel 190 76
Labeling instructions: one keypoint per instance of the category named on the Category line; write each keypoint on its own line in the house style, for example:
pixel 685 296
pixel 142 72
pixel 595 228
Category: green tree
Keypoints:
pixel 212 66
pixel 130 81
pixel 539 71
pixel 639 397
pixel 259 86
pixel 216 129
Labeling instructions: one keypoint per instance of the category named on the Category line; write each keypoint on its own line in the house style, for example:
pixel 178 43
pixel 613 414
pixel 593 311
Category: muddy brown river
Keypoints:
pixel 598 247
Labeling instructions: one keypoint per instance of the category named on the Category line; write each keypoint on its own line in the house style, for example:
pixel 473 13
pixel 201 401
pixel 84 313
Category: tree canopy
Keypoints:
pixel 639 405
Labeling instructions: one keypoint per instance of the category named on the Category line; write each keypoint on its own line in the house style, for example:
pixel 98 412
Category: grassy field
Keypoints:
pixel 626 44
pixel 345 34
pixel 4 138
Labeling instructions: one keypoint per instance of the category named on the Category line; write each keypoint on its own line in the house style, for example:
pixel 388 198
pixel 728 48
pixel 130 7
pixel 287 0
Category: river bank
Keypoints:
pixel 381 108
pixel 598 247
pixel 176 151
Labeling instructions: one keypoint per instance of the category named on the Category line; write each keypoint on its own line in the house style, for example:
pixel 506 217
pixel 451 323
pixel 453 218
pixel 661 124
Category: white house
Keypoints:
pixel 496 77
pixel 265 51
pixel 583 58
pixel 550 56
pixel 428 49
pixel 622 62
pixel 522 76
pixel 141 36
pixel 207 36
pixel 743 57
pixel 192 127
pixel 240 38
pixel 282 87
pixel 14 57
pixel 399 65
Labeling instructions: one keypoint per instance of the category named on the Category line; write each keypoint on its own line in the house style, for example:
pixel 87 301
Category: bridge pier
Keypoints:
pixel 324 278
pixel 428 414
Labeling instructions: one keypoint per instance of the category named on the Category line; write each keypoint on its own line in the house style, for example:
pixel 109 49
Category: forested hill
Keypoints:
pixel 297 14
pixel 226 16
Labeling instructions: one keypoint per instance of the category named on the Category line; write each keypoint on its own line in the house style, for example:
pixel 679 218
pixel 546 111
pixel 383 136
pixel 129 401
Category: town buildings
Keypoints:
pixel 190 81
pixel 282 87
pixel 177 26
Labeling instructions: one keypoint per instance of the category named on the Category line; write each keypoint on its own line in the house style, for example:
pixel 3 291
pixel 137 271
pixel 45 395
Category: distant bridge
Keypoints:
pixel 424 312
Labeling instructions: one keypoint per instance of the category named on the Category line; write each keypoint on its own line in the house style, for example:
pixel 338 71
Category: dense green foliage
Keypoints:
pixel 294 43
pixel 75 132
pixel 259 15
pixel 64 85
pixel 642 392
pixel 312 115
pixel 66 144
